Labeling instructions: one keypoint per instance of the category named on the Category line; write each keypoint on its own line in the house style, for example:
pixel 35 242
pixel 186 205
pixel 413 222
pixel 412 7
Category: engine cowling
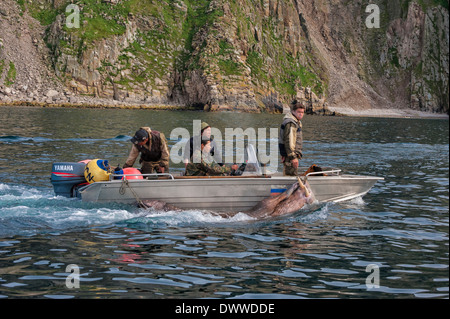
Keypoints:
pixel 66 176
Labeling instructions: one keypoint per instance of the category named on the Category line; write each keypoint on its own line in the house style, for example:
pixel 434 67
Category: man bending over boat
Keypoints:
pixel 152 145
pixel 202 163
pixel 291 139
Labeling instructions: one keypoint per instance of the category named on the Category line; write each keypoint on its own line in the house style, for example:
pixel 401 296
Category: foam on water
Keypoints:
pixel 150 217
pixel 28 210
pixel 321 213
pixel 358 201
pixel 187 217
pixel 25 210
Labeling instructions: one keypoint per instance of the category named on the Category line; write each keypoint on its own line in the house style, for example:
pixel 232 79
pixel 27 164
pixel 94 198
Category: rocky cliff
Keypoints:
pixel 246 55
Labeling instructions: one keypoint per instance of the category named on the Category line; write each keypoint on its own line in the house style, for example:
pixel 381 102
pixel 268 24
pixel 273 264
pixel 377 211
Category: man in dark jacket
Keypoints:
pixel 152 145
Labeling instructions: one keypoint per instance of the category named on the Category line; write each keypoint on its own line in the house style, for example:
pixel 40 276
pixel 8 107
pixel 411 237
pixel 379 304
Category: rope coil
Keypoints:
pixel 122 190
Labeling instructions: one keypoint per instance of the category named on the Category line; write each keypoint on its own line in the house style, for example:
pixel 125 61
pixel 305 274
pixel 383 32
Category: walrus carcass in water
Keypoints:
pixel 288 202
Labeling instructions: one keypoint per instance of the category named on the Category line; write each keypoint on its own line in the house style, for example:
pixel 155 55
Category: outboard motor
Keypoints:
pixel 66 176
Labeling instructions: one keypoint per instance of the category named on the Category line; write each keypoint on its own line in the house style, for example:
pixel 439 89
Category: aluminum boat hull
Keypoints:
pixel 223 193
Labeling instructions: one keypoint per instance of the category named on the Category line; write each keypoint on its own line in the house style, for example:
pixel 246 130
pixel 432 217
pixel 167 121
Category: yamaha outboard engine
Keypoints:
pixel 66 176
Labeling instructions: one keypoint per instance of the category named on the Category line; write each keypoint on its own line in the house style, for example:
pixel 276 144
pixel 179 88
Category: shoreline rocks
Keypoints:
pixel 89 102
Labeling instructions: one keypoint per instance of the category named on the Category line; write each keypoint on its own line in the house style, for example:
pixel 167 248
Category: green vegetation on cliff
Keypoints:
pixel 2 65
pixel 170 37
pixel 11 75
pixel 216 51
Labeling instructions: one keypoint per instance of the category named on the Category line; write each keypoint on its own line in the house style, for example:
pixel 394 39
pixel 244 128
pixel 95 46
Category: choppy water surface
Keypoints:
pixel 325 251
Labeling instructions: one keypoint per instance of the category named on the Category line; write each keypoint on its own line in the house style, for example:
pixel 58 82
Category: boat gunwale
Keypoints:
pixel 243 178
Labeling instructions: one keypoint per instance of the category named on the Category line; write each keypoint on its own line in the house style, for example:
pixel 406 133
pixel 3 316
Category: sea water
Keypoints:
pixel 391 243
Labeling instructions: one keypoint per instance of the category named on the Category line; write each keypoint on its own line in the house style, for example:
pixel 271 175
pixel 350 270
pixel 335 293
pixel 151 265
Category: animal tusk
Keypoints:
pixel 303 187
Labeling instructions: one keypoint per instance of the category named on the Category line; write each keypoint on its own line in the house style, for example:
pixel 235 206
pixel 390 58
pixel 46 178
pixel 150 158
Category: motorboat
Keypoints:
pixel 223 193
pixel 214 193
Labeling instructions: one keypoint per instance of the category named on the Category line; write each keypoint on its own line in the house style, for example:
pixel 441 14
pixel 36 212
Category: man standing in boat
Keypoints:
pixel 152 145
pixel 291 139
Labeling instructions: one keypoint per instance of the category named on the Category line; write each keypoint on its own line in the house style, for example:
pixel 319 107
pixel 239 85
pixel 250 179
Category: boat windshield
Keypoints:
pixel 253 167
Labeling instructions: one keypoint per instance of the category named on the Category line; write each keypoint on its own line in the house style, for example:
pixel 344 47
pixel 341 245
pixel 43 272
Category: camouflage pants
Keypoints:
pixel 289 170
pixel 152 167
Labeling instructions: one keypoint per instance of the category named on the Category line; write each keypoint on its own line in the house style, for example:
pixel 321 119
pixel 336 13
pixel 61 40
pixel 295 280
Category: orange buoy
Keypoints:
pixel 134 173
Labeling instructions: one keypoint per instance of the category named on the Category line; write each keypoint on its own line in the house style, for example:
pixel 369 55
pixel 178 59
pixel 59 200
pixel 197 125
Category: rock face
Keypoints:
pixel 244 55
pixel 415 57
pixel 25 67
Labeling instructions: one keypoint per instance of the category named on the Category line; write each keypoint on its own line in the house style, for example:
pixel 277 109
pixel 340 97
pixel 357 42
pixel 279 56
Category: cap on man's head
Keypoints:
pixel 203 126
pixel 296 104
pixel 140 136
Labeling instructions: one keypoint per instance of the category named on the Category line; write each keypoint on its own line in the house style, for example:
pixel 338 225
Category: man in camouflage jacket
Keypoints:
pixel 291 139
pixel 206 166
